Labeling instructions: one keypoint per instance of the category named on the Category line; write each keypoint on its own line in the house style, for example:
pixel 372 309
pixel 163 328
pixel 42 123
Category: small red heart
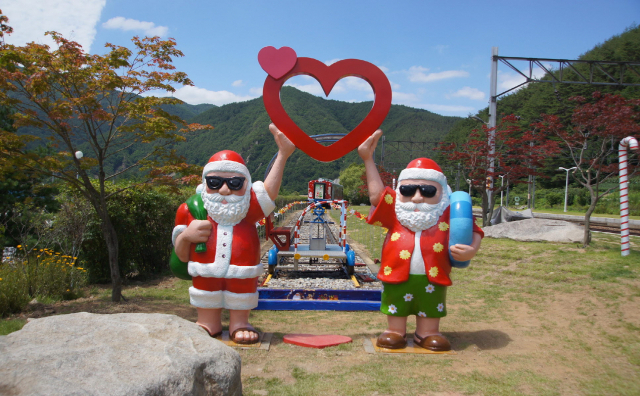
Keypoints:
pixel 328 76
pixel 277 62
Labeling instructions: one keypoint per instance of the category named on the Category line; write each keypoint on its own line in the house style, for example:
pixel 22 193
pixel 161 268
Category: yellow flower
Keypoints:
pixel 388 199
pixel 0 279
pixel 443 226
pixel 385 230
pixel 437 247
pixel 325 257
pixel 405 254
pixel 395 236
pixel 297 256
pixel 80 268
pixel 19 246
pixel 377 224
pixel 387 270
pixel 433 272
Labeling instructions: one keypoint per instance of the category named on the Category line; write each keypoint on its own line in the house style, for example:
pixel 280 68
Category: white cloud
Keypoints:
pixel 394 86
pixel 419 74
pixel 331 62
pixel 257 91
pixel 468 92
pixel 195 95
pixel 126 24
pixel 404 98
pixel 508 80
pixel 441 48
pixel 436 108
pixel 75 19
pixel 313 89
pixel 237 83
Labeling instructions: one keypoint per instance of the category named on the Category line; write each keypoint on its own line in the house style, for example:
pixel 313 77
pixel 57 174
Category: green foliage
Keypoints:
pixel 143 219
pixel 351 181
pixel 41 274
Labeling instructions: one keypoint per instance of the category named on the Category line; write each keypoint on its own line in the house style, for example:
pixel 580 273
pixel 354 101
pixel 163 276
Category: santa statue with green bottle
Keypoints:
pixel 216 244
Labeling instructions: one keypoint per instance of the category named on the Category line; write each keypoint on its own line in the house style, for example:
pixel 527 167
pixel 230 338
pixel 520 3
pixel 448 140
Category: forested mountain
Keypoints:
pixel 538 98
pixel 243 127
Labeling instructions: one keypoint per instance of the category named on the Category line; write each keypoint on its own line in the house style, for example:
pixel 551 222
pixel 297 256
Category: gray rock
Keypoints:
pixel 120 354
pixel 534 230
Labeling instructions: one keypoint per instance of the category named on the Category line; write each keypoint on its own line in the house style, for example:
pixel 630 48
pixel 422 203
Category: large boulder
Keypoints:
pixel 120 354
pixel 534 230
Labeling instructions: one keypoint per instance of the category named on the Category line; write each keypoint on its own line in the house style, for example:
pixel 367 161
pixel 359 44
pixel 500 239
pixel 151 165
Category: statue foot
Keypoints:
pixel 245 335
pixel 435 342
pixel 390 340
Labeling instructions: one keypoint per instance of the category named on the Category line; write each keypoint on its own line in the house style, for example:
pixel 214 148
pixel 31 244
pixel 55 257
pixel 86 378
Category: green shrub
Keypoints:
pixel 143 219
pixel 41 274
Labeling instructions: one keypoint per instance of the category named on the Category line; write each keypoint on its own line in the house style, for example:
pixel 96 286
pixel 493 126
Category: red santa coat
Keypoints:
pixel 226 275
pixel 400 243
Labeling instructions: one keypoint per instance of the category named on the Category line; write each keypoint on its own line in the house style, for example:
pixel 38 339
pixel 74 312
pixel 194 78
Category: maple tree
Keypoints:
pixel 101 102
pixel 386 177
pixel 517 155
pixel 590 140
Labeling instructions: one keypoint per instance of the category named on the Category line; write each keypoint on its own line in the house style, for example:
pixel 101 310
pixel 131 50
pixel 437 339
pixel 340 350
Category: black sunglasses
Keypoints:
pixel 216 182
pixel 427 191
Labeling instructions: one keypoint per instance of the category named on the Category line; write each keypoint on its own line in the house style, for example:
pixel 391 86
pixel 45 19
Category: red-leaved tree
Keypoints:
pixel 591 141
pixel 518 154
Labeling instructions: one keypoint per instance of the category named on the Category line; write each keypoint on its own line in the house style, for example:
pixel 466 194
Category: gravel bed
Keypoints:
pixel 324 275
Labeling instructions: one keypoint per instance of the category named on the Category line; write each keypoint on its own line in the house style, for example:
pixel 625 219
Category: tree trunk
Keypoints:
pixel 111 239
pixel 485 207
pixel 587 218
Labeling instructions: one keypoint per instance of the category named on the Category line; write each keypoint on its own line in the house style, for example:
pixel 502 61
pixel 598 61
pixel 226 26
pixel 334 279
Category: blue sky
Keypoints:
pixel 435 53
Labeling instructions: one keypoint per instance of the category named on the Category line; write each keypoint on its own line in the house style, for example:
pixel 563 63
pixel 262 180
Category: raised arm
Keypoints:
pixel 374 182
pixel 285 149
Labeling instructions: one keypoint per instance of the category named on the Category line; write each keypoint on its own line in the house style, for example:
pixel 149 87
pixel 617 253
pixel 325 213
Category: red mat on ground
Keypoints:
pixel 316 341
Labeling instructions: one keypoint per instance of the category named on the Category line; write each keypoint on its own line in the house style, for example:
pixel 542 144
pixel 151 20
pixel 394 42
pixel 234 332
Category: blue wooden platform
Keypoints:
pixel 318 300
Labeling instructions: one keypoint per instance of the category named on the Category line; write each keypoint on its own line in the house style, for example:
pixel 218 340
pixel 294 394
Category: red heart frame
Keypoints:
pixel 328 76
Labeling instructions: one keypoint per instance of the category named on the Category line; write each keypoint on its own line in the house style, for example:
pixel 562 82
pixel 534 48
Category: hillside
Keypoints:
pixel 538 98
pixel 243 127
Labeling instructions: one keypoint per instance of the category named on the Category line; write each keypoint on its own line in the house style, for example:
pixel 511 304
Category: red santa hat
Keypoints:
pixel 226 161
pixel 424 169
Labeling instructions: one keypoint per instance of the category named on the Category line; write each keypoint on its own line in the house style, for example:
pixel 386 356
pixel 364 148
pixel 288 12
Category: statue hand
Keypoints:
pixel 366 149
pixel 285 147
pixel 198 231
pixel 462 252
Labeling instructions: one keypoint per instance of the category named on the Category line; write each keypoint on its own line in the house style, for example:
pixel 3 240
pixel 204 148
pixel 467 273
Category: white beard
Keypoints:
pixel 426 217
pixel 228 214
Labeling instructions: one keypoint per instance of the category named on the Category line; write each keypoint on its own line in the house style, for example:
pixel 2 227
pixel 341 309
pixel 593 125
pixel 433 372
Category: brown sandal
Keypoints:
pixel 391 340
pixel 216 335
pixel 435 342
pixel 250 329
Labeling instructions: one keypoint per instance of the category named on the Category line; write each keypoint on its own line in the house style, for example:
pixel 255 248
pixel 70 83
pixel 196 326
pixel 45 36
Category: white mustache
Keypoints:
pixel 410 206
pixel 217 197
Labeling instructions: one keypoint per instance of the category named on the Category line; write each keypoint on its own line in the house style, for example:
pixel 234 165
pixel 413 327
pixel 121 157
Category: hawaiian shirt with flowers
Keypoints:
pixel 400 243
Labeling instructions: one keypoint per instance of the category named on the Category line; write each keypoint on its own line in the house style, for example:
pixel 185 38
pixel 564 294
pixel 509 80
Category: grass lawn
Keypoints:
pixel 524 319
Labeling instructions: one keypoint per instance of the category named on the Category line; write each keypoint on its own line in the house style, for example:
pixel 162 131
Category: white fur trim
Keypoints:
pixel 226 166
pixel 200 188
pixel 424 174
pixel 264 199
pixel 224 240
pixel 244 271
pixel 240 301
pixel 205 299
pixel 214 270
pixel 177 230
pixel 208 270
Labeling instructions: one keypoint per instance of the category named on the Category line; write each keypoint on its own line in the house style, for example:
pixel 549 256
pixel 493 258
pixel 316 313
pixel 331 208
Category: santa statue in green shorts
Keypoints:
pixel 415 262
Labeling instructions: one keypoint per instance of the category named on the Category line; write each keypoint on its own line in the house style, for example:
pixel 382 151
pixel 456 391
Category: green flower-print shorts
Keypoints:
pixel 414 297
